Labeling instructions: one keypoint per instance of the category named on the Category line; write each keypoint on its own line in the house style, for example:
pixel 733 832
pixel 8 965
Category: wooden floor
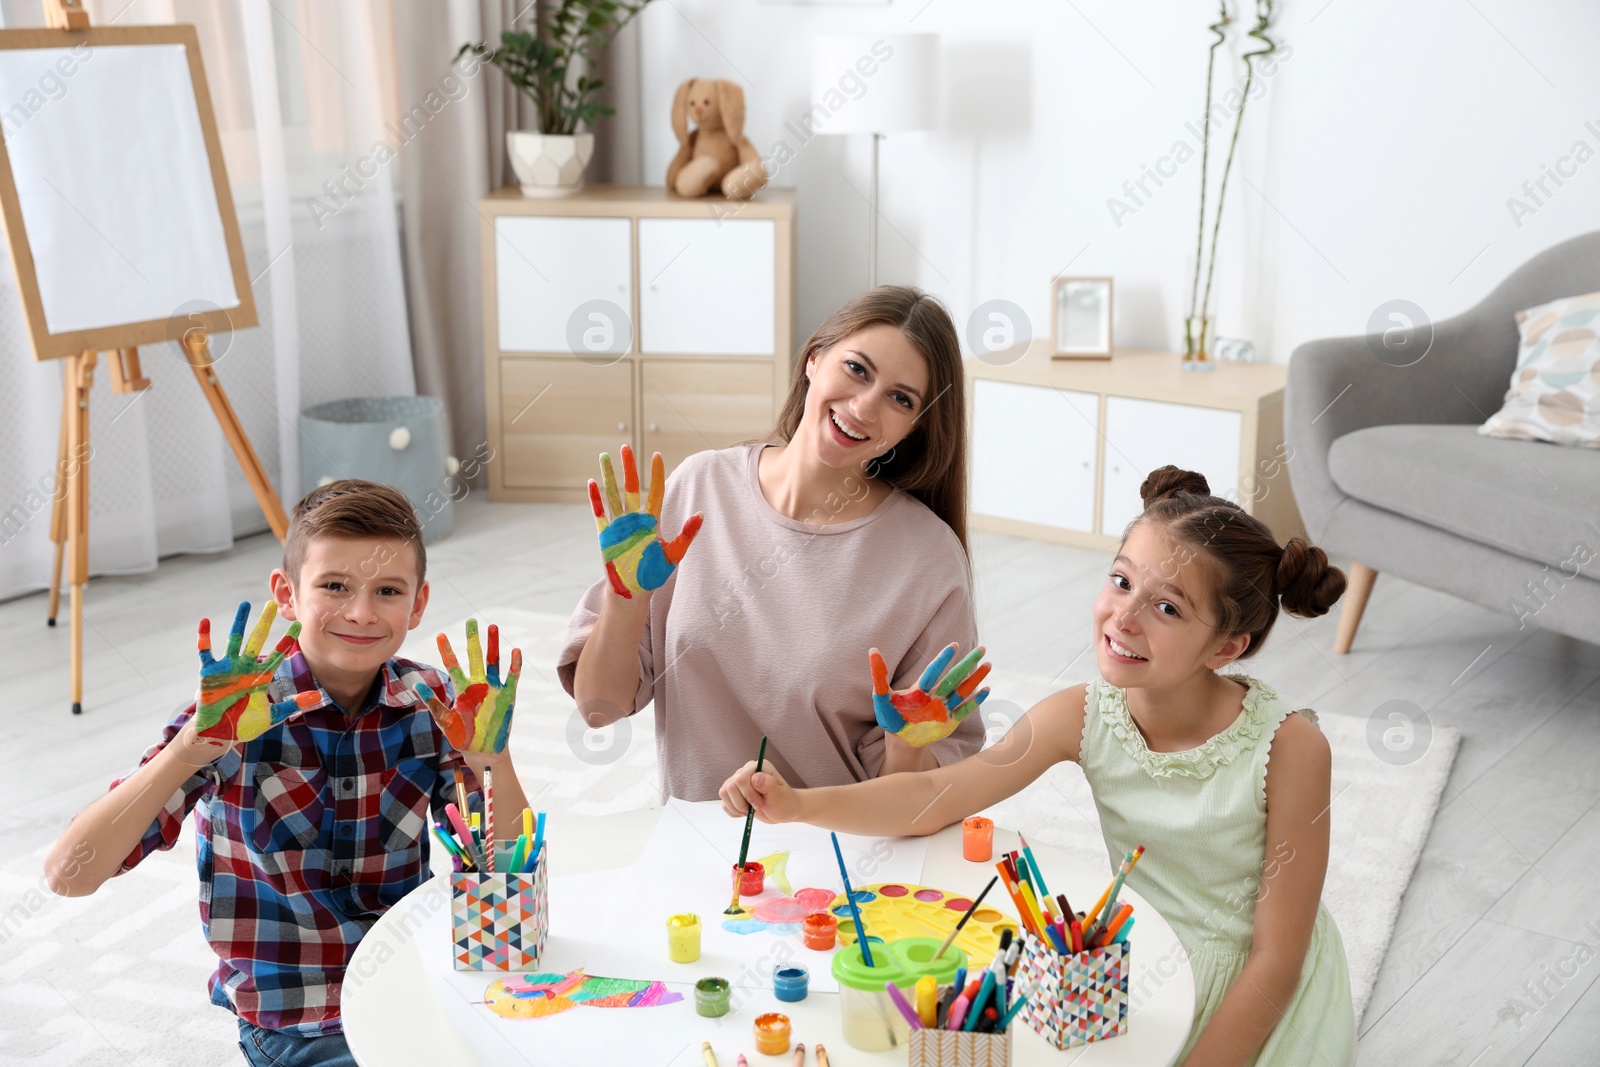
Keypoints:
pixel 1498 949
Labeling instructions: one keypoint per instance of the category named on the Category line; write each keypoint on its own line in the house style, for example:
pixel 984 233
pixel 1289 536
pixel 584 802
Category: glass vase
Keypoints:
pixel 1196 344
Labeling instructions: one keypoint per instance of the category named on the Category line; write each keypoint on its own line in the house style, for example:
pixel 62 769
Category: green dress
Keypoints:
pixel 1202 816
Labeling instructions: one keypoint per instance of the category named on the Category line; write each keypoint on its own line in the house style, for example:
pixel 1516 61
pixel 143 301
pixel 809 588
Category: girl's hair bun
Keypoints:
pixel 1307 584
pixel 1169 481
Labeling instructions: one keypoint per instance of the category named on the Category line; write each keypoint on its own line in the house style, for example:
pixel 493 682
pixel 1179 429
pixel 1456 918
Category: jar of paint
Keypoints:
pixel 819 930
pixel 683 937
pixel 867 1016
pixel 772 1034
pixel 752 880
pixel 711 997
pixel 977 839
pixel 791 983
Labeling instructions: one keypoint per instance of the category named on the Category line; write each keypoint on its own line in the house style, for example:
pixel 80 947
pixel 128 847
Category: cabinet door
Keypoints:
pixel 558 415
pixel 547 268
pixel 1142 435
pixel 1033 452
pixel 707 287
pixel 690 406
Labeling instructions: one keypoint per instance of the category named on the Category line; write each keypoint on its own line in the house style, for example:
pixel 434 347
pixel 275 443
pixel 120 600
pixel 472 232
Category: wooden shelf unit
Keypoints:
pixel 708 290
pixel 1060 447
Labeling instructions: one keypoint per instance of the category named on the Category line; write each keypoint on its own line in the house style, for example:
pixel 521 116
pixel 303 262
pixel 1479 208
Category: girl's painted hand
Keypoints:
pixel 774 799
pixel 233 703
pixel 480 718
pixel 932 709
pixel 637 560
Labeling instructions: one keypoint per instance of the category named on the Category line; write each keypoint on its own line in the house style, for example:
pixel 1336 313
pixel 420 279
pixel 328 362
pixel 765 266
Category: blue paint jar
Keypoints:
pixel 791 983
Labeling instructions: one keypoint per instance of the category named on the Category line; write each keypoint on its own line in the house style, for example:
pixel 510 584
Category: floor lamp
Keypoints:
pixel 875 83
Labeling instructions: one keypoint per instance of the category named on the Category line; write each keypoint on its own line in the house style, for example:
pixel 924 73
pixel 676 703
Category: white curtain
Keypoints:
pixel 304 106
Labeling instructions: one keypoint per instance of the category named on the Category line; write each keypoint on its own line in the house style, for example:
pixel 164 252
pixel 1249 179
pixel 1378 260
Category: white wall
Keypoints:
pixel 1377 164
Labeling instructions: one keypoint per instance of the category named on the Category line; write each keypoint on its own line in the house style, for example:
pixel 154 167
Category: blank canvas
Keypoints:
pixel 116 187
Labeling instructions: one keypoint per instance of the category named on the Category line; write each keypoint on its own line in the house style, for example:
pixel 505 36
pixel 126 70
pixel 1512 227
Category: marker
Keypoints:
pixel 519 855
pixel 975 1009
pixel 450 846
pixel 928 1000
pixel 464 831
pixel 538 836
pixel 1022 999
pixel 1122 934
pixel 902 1005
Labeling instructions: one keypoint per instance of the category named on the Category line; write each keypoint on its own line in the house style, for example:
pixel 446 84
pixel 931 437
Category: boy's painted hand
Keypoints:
pixel 480 719
pixel 637 560
pixel 934 707
pixel 233 703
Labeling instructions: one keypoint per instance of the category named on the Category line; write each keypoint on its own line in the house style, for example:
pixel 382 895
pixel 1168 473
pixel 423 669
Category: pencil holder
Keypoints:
pixel 959 1048
pixel 1076 998
pixel 499 921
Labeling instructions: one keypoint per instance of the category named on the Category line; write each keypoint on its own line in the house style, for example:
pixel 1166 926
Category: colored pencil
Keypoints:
pixel 1038 878
pixel 488 818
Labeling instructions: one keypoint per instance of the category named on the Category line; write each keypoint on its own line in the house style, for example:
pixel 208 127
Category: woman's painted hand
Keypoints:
pixel 637 560
pixel 480 718
pixel 932 709
pixel 233 704
pixel 774 799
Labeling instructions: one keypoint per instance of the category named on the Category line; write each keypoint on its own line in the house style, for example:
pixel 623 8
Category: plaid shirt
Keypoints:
pixel 306 836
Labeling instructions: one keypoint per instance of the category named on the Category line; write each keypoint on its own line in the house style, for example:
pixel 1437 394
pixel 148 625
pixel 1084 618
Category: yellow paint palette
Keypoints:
pixel 893 910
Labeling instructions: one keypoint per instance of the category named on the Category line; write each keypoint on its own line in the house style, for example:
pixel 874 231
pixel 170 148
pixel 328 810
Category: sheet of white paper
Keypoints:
pixel 688 866
pixel 115 184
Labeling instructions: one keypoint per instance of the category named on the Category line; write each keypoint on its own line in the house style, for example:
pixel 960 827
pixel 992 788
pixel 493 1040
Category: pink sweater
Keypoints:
pixel 765 627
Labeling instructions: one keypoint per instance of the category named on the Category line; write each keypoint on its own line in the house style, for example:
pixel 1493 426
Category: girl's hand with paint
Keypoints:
pixel 774 799
pixel 233 704
pixel 637 560
pixel 932 709
pixel 480 718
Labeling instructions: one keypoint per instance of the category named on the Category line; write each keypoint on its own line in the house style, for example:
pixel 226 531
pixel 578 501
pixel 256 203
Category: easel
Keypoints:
pixel 69 516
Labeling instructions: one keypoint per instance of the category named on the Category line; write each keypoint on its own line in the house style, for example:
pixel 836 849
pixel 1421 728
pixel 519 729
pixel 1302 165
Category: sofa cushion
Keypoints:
pixel 1555 389
pixel 1534 500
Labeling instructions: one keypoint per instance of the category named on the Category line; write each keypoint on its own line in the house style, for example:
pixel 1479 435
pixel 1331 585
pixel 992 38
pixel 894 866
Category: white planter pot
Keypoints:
pixel 549 164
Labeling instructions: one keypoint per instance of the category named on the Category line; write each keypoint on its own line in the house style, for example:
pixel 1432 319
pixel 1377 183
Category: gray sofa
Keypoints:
pixel 1390 473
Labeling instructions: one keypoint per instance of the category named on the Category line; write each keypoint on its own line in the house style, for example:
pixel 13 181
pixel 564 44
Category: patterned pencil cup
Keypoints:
pixel 959 1048
pixel 1076 998
pixel 499 921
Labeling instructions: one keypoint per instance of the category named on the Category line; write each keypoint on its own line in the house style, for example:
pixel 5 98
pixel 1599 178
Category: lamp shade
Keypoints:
pixel 876 82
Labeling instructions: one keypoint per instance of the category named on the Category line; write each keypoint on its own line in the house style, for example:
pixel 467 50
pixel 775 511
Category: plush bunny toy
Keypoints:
pixel 716 155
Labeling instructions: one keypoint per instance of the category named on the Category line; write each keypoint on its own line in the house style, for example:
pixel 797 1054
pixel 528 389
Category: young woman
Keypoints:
pixel 846 530
pixel 1177 754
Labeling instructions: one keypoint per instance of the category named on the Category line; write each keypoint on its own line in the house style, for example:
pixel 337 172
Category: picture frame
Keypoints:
pixel 1080 318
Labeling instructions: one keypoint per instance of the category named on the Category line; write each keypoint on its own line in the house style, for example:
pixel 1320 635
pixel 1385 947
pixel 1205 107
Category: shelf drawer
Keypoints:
pixel 557 415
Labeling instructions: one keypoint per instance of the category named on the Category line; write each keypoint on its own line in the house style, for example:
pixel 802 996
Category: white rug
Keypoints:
pixel 119 978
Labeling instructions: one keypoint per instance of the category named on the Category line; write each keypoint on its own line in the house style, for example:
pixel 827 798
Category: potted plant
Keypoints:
pixel 1196 326
pixel 554 63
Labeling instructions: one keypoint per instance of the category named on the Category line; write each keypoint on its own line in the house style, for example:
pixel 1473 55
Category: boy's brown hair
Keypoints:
pixel 352 508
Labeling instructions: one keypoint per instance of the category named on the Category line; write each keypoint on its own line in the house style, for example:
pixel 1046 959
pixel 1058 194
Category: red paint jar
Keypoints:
pixel 752 881
pixel 819 930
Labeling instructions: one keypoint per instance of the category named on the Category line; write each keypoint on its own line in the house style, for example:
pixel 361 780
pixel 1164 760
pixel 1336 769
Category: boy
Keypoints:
pixel 313 780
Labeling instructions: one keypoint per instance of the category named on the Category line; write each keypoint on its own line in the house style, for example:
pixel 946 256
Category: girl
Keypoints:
pixel 1177 755
pixel 846 529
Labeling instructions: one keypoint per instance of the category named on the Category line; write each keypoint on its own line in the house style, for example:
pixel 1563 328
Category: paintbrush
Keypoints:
pixel 967 916
pixel 744 849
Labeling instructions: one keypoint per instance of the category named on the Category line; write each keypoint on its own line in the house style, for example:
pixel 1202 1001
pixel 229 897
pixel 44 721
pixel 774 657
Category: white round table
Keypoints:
pixel 394 1012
